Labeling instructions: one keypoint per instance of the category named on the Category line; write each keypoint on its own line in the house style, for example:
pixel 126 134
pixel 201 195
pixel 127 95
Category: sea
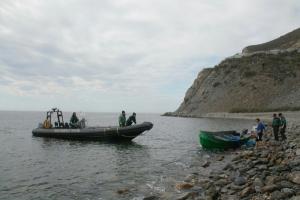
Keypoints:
pixel 43 168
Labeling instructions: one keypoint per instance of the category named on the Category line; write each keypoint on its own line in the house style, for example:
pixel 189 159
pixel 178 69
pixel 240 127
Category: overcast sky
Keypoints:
pixel 136 55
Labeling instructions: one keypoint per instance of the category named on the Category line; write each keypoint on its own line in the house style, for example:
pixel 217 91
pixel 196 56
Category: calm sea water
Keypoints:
pixel 39 168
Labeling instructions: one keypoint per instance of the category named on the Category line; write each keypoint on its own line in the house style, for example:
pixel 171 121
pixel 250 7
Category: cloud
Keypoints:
pixel 118 53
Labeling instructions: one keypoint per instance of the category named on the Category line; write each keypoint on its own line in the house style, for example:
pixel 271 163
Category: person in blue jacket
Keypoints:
pixel 259 129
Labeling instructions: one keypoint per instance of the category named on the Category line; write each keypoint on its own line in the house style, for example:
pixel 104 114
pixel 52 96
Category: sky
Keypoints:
pixel 133 55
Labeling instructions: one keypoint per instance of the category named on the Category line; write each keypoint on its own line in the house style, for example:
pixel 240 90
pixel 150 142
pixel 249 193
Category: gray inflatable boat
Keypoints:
pixel 64 130
pixel 95 133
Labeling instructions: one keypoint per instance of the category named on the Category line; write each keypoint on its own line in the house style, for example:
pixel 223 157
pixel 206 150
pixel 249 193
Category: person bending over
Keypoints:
pixel 131 119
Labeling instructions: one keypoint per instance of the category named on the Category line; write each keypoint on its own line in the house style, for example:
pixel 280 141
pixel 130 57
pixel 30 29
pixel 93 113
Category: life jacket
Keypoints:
pixel 46 124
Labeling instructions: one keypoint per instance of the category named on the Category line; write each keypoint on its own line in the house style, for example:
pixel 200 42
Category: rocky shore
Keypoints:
pixel 268 171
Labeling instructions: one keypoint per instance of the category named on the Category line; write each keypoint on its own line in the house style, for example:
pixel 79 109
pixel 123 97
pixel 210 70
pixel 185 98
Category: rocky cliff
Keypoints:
pixel 264 77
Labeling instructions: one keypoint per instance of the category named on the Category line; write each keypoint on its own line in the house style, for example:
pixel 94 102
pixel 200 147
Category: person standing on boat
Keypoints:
pixel 275 125
pixel 259 130
pixel 122 119
pixel 282 126
pixel 74 121
pixel 131 119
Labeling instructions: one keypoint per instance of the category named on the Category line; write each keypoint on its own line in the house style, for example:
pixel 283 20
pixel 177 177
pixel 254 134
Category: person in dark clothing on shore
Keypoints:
pixel 131 119
pixel 259 129
pixel 282 126
pixel 276 125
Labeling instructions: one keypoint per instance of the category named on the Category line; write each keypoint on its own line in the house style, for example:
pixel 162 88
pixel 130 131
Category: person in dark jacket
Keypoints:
pixel 122 119
pixel 74 121
pixel 259 129
pixel 275 126
pixel 131 119
pixel 282 126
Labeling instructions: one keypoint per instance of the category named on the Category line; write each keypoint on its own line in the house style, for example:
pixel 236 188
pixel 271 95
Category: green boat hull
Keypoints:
pixel 216 140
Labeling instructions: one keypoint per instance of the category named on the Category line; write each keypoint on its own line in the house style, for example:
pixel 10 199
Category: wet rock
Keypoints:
pixel 183 186
pixel 186 196
pixel 151 198
pixel 206 164
pixel 239 180
pixel 191 178
pixel 123 191
pixel 269 188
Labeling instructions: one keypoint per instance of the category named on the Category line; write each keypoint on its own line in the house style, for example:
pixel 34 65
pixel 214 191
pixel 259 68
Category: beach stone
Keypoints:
pixel 298 152
pixel 288 192
pixel 186 196
pixel 252 172
pixel 295 177
pixel 269 188
pixel 246 191
pixel 211 193
pixel 240 181
pixel 228 167
pixel 123 191
pixel 220 158
pixel 230 197
pixel 295 197
pixel 271 180
pixel 262 167
pixel 191 178
pixel 183 186
pixel 276 195
pixel 285 184
pixel 151 198
pixel 206 164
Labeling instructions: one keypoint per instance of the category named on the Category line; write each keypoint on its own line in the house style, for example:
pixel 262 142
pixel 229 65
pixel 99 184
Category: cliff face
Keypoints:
pixel 254 81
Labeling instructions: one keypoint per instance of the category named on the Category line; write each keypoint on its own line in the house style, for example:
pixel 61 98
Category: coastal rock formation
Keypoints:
pixel 264 77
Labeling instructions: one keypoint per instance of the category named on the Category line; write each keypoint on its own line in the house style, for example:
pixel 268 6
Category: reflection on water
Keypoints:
pixel 48 168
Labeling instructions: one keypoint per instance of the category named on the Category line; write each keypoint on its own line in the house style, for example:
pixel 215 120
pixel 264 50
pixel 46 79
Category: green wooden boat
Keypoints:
pixel 222 139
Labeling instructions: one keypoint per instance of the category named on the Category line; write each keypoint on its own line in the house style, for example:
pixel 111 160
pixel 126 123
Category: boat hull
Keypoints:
pixel 95 133
pixel 221 140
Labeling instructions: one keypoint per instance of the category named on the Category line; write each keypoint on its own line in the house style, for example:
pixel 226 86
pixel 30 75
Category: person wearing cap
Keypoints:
pixel 259 129
pixel 131 119
pixel 282 126
pixel 122 119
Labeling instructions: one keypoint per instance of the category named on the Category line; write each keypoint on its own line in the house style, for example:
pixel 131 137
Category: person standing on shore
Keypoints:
pixel 259 130
pixel 282 126
pixel 275 125
pixel 122 119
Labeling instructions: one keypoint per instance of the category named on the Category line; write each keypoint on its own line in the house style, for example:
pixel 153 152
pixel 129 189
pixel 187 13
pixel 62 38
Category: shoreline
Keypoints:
pixel 268 171
pixel 293 116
